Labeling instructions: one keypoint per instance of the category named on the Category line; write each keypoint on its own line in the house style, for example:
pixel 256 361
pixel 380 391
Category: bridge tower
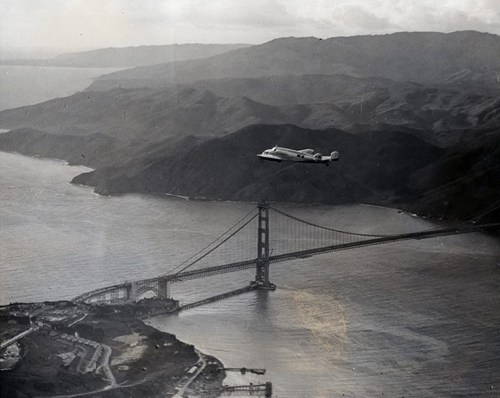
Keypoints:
pixel 262 267
pixel 163 288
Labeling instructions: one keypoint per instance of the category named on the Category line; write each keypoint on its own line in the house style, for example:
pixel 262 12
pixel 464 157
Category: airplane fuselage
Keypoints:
pixel 280 154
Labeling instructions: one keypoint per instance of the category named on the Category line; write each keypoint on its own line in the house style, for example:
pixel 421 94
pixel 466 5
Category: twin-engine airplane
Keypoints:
pixel 278 154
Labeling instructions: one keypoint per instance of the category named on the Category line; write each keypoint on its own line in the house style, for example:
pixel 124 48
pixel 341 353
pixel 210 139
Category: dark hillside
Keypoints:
pixel 465 184
pixel 379 167
pixel 374 167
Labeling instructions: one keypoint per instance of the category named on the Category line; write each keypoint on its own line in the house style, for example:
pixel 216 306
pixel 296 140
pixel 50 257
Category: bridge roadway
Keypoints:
pixel 238 266
pixel 17 337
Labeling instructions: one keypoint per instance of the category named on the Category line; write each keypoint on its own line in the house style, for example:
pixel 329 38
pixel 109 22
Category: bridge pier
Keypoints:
pixel 262 264
pixel 131 292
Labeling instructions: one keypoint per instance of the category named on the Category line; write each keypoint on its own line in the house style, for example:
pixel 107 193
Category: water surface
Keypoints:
pixel 28 85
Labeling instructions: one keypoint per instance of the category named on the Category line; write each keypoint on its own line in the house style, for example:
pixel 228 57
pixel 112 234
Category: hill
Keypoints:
pixel 200 169
pixel 218 107
pixel 467 58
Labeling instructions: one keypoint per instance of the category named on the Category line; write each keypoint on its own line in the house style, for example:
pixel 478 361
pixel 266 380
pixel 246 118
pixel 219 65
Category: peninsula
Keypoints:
pixel 63 349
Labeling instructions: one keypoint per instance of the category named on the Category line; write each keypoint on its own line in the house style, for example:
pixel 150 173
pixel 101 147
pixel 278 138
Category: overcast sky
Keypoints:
pixel 82 24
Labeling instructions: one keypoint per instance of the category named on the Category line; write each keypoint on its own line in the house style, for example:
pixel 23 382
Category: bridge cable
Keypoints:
pixel 323 227
pixel 216 246
pixel 451 226
pixel 211 243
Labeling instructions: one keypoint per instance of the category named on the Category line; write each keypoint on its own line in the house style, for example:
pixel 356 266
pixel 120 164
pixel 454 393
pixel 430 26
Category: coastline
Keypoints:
pixel 193 198
pixel 83 350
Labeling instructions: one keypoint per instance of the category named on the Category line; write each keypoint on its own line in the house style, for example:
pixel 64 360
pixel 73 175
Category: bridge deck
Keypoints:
pixel 238 266
pixel 218 297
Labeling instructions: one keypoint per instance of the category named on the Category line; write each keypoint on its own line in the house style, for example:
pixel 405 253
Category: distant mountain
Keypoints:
pixel 128 57
pixel 143 55
pixel 466 58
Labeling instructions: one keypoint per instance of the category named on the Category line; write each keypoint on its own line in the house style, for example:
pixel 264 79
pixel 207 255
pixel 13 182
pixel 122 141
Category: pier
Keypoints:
pixel 251 389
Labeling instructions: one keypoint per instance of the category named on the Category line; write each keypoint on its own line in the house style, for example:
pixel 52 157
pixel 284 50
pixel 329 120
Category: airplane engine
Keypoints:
pixel 334 156
pixel 317 157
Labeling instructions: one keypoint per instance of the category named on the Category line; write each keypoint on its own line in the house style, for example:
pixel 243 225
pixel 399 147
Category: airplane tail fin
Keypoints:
pixel 334 156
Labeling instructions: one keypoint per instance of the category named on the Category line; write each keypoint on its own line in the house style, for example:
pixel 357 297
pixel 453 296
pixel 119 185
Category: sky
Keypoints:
pixel 86 24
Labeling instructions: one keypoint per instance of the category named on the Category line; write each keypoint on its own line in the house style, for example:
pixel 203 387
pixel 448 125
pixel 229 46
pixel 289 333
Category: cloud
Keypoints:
pixel 241 13
pixel 97 23
pixel 443 16
pixel 355 19
pixel 386 16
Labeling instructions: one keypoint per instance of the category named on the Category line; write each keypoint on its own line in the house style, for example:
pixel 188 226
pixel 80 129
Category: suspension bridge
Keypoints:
pixel 264 236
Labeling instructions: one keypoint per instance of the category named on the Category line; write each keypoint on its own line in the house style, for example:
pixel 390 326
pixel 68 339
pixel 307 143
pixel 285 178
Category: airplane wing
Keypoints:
pixel 310 151
pixel 270 156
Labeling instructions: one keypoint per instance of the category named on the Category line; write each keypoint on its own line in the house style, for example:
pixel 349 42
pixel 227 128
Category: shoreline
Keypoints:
pixel 401 208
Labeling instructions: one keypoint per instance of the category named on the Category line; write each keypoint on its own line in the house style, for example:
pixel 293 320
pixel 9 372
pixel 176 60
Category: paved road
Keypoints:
pixel 105 367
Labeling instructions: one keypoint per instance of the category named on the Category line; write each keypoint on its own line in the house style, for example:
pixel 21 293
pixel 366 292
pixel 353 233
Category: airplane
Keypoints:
pixel 279 154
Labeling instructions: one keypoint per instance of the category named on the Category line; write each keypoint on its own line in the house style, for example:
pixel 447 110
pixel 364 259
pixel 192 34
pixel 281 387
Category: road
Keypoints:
pixel 105 367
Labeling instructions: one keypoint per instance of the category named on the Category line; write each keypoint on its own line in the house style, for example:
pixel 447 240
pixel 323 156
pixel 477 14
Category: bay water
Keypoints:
pixel 417 318
pixel 27 85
